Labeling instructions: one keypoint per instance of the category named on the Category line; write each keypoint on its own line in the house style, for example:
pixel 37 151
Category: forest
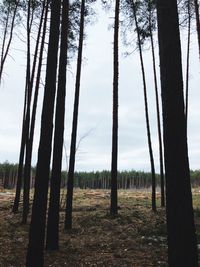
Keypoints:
pixel 92 180
pixel 53 214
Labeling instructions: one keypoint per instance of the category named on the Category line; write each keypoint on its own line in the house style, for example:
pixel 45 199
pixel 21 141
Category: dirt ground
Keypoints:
pixel 135 238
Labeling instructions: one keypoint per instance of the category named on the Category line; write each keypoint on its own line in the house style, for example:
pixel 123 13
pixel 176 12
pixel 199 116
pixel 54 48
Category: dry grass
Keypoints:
pixel 135 238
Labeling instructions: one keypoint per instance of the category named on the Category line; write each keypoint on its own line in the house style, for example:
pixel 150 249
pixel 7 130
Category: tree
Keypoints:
pixel 38 220
pixel 113 204
pixel 70 182
pixel 27 167
pixel 10 10
pixel 182 243
pixel 28 89
pixel 21 159
pixel 151 9
pixel 188 4
pixel 27 99
pixel 196 8
pixel 146 109
pixel 29 140
pixel 52 239
pixel 141 15
pixel 32 8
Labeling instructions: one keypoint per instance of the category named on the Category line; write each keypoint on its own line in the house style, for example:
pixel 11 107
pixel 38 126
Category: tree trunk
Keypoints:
pixel 4 41
pixel 182 243
pixel 27 119
pixel 162 178
pixel 20 165
pixel 37 84
pixel 187 64
pixel 70 182
pixel 35 253
pixel 114 200
pixel 21 155
pixel 52 240
pixel 7 47
pixel 28 154
pixel 196 8
pixel 153 198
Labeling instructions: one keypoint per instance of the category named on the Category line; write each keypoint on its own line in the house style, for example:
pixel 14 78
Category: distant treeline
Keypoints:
pixel 94 180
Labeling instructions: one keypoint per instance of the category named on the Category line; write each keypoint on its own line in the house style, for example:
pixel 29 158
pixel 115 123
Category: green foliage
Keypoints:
pixel 146 17
pixel 186 10
pixel 98 179
pixel 74 20
pixel 7 7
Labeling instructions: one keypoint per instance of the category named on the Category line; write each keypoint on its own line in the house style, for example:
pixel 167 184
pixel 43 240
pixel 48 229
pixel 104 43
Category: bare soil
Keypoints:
pixel 135 238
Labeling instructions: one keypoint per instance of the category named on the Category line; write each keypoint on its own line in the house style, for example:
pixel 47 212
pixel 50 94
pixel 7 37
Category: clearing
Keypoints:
pixel 135 238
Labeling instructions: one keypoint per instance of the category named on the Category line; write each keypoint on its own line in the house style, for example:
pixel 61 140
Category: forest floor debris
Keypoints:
pixel 134 238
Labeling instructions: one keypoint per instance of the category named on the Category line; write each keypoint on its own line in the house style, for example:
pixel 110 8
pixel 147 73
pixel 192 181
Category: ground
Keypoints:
pixel 135 238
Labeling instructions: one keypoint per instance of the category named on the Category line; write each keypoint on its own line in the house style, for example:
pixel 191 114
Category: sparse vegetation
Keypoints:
pixel 136 237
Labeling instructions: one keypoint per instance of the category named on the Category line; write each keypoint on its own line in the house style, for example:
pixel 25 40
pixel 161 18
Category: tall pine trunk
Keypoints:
pixel 6 47
pixel 37 84
pixel 52 240
pixel 182 242
pixel 35 253
pixel 153 175
pixel 24 136
pixel 28 154
pixel 113 204
pixel 162 178
pixel 70 182
pixel 196 9
pixel 21 160
pixel 27 118
pixel 187 64
pixel 4 40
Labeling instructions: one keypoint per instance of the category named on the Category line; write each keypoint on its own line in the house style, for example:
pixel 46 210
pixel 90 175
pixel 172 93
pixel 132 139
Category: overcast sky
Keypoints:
pixel 95 115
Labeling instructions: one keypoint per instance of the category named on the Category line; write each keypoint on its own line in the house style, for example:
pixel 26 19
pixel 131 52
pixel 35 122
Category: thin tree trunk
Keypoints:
pixel 20 165
pixel 5 54
pixel 187 64
pixel 52 240
pixel 37 84
pixel 196 8
pixel 35 253
pixel 4 42
pixel 153 204
pixel 27 119
pixel 21 155
pixel 182 242
pixel 70 182
pixel 28 155
pixel 162 178
pixel 113 204
pixel 24 132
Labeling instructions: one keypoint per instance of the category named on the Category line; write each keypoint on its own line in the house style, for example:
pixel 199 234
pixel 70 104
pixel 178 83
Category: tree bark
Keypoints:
pixel 114 160
pixel 182 243
pixel 162 178
pixel 70 182
pixel 35 253
pixel 153 175
pixel 22 151
pixel 28 154
pixel 27 118
pixel 187 64
pixel 52 240
pixel 5 48
pixel 196 8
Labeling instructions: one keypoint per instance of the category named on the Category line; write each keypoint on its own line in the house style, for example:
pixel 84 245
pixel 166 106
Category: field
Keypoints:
pixel 135 238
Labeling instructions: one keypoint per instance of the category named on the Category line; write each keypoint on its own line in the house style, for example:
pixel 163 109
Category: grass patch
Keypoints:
pixel 135 238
